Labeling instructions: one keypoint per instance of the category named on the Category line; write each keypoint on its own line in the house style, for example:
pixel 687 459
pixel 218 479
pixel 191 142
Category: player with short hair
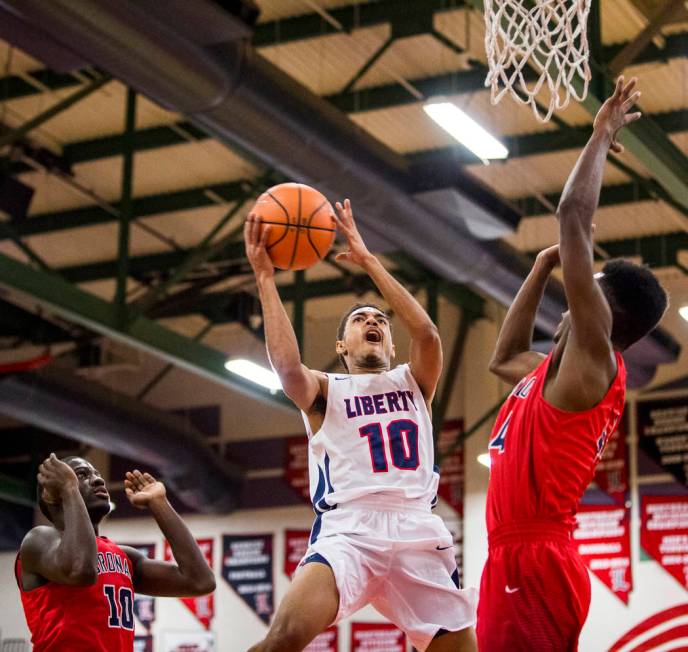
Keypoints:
pixel 77 588
pixel 371 462
pixel 550 433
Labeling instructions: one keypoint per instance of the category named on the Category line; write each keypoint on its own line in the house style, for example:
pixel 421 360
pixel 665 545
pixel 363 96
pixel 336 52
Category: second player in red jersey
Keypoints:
pixel 550 433
pixel 77 588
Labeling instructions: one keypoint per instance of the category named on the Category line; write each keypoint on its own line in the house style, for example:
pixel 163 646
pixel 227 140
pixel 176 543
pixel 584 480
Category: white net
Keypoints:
pixel 536 44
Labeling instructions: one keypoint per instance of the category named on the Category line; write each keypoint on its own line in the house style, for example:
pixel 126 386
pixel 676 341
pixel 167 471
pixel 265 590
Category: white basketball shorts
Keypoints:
pixel 399 557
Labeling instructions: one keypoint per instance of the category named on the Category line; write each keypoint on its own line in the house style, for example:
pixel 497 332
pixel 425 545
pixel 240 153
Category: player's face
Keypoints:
pixel 91 487
pixel 367 339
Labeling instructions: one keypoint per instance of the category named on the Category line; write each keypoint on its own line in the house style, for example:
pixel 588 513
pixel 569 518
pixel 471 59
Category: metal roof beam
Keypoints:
pixel 655 250
pixel 80 307
pixel 141 207
pixel 346 19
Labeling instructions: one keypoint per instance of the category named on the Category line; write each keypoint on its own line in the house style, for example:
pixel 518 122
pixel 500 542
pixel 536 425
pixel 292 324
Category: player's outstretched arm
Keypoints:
pixel 591 318
pixel 426 347
pixel 300 384
pixel 512 358
pixel 189 575
pixel 70 556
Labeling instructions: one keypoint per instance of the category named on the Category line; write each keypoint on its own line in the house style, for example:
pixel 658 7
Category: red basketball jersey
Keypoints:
pixel 97 618
pixel 543 458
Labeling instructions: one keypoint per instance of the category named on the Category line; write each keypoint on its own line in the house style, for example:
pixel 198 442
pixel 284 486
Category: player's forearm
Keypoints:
pixel 401 301
pixel 77 553
pixel 195 574
pixel 581 194
pixel 516 334
pixel 283 349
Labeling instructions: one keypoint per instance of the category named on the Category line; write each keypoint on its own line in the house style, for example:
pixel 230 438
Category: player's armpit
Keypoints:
pixel 40 555
pixel 163 578
pixel 513 369
pixel 303 386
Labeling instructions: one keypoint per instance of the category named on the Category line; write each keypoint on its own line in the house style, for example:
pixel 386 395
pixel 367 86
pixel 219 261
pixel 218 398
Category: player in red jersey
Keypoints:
pixel 548 437
pixel 77 588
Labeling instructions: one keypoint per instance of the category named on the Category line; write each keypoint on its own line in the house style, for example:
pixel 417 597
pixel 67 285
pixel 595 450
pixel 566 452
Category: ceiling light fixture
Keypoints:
pixel 465 129
pixel 484 459
pixel 683 311
pixel 255 373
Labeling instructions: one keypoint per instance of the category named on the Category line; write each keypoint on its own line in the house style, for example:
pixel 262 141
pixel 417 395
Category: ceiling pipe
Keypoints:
pixel 60 402
pixel 237 96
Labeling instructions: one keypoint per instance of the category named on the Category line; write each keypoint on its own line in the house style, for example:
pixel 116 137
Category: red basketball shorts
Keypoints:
pixel 534 592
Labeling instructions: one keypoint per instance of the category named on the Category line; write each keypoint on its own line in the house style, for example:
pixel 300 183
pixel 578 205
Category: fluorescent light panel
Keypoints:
pixel 254 372
pixel 466 130
pixel 683 311
pixel 484 459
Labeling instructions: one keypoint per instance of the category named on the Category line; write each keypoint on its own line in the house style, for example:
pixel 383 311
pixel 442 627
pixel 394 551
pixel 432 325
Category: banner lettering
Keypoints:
pixel 602 538
pixel 664 533
pixel 247 568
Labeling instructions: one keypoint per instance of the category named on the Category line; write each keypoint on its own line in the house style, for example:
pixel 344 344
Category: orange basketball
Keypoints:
pixel 302 224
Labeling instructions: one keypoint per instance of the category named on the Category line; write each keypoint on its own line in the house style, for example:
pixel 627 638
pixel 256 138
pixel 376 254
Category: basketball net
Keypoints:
pixel 531 43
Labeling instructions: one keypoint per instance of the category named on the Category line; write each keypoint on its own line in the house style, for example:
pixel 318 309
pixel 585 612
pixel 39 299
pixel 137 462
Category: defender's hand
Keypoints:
pixel 613 115
pixel 143 488
pixel 255 241
pixel 549 256
pixel 357 253
pixel 56 478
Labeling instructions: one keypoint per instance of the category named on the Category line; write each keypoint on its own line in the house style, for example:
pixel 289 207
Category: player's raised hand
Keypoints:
pixel 56 478
pixel 143 488
pixel 255 241
pixel 357 252
pixel 550 256
pixel 614 113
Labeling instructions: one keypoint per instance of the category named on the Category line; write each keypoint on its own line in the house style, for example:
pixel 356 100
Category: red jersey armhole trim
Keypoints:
pixel 620 365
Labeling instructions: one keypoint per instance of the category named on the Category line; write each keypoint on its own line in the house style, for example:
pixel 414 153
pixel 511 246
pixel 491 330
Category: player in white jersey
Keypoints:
pixel 372 474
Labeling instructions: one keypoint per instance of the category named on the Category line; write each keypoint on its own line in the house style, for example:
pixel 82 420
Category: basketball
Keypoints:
pixel 302 221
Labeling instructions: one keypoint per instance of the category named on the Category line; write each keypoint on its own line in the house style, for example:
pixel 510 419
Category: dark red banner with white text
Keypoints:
pixel 296 465
pixel 602 537
pixel 295 546
pixel 664 533
pixel 203 607
pixel 377 637
pixel 611 474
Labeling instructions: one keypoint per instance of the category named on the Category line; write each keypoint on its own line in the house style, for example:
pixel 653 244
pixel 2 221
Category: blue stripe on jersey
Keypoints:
pixel 435 500
pixel 320 504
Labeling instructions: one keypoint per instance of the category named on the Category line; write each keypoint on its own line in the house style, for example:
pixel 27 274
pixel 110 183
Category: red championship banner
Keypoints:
pixel 602 538
pixel 377 637
pixel 664 533
pixel 328 641
pixel 452 468
pixel 203 607
pixel 296 465
pixel 295 546
pixel 611 475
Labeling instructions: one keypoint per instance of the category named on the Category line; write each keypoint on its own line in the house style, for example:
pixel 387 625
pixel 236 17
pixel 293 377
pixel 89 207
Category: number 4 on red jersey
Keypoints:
pixel 497 442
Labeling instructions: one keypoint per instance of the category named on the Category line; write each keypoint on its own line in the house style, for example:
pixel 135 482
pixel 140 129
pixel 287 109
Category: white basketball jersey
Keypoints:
pixel 376 438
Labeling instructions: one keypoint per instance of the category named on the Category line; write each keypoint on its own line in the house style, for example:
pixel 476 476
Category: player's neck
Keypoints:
pixel 368 367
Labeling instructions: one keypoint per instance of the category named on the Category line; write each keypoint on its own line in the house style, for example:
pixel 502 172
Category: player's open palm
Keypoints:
pixel 357 252
pixel 614 113
pixel 255 241
pixel 142 488
pixel 56 477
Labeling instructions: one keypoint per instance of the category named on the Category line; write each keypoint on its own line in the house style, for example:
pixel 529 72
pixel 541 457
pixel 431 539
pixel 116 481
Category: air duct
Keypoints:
pixel 240 98
pixel 63 403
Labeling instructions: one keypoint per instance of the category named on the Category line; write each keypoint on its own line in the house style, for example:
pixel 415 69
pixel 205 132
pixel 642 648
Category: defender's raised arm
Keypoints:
pixel 591 318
